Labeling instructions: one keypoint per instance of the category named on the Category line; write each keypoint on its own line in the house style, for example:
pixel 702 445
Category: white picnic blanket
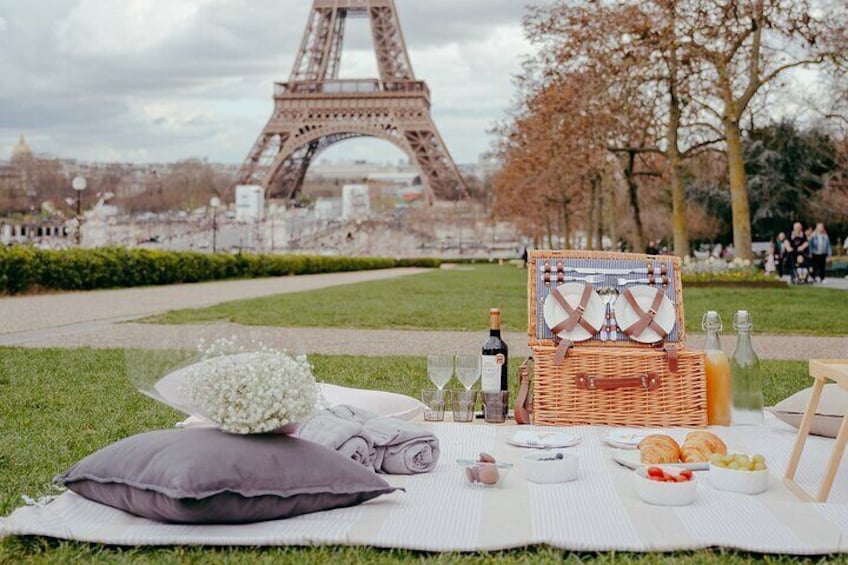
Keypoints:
pixel 441 512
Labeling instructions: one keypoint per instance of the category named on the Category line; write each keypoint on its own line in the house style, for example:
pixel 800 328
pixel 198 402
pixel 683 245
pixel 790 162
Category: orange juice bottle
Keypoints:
pixel 717 367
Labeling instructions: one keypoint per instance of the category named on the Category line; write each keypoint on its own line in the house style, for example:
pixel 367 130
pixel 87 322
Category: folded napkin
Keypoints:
pixel 386 445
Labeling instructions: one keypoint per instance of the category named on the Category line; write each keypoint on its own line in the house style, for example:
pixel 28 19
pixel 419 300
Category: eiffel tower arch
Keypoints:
pixel 315 109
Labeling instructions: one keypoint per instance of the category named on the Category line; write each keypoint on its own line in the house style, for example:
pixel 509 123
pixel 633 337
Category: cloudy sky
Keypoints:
pixel 162 80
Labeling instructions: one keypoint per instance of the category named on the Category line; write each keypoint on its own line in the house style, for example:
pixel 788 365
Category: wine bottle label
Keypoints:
pixel 491 372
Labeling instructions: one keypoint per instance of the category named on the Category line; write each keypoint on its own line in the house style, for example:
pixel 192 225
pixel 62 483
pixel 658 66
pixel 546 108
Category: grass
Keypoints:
pixel 460 299
pixel 57 406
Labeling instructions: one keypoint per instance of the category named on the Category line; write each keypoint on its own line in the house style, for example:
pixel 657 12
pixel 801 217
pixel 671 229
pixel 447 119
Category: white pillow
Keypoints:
pixel 829 413
pixel 388 404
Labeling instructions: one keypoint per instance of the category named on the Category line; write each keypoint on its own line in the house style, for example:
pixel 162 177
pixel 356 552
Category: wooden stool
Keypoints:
pixel 821 370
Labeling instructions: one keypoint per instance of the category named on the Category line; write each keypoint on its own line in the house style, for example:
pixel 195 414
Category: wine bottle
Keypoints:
pixel 494 357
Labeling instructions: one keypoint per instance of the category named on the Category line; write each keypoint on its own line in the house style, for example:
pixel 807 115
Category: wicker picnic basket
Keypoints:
pixel 618 381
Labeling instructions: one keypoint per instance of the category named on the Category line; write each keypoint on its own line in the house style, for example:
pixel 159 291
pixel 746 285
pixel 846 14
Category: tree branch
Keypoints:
pixel 655 150
pixel 699 146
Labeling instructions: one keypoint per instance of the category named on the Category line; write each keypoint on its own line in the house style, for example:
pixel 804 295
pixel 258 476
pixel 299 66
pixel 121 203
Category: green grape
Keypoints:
pixel 717 459
pixel 734 465
pixel 758 458
pixel 759 467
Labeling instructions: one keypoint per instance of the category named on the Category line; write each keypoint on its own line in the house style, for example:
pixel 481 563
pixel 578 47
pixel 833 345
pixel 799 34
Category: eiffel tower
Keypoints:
pixel 315 109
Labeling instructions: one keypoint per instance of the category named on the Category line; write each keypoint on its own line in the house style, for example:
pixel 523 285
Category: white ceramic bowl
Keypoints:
pixel 743 482
pixel 664 494
pixel 480 474
pixel 545 468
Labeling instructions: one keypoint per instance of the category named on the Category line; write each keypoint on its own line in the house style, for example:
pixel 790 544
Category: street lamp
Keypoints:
pixel 215 203
pixel 79 184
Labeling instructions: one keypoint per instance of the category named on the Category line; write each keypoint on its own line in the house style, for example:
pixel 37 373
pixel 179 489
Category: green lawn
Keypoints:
pixel 57 406
pixel 460 300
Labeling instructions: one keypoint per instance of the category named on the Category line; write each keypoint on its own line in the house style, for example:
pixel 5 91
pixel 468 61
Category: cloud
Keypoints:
pixel 97 28
pixel 171 79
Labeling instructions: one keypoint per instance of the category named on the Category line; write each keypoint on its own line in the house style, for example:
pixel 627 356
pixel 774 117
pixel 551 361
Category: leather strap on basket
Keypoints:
pixel 648 381
pixel 645 319
pixel 562 351
pixel 575 315
pixel 524 399
pixel 673 357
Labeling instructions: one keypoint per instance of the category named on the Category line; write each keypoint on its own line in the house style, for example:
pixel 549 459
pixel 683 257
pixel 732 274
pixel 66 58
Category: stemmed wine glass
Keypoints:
pixel 440 369
pixel 467 370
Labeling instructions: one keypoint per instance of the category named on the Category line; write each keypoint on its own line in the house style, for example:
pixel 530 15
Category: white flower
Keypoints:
pixel 253 392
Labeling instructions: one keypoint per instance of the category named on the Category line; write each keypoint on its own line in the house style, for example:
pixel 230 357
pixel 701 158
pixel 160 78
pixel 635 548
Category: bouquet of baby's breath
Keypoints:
pixel 250 392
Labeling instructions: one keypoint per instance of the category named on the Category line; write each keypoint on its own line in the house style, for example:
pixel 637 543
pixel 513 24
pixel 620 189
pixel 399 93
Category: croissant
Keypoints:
pixel 699 446
pixel 659 448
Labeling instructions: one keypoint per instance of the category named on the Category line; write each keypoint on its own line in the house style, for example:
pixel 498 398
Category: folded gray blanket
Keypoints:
pixel 383 444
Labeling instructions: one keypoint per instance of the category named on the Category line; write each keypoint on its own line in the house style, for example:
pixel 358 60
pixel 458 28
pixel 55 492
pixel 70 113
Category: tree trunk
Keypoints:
pixel 633 194
pixel 566 224
pixel 590 216
pixel 611 217
pixel 738 190
pixel 597 180
pixel 680 228
pixel 678 205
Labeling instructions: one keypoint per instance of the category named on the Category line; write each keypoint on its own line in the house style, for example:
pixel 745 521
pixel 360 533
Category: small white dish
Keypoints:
pixel 661 493
pixel 594 314
pixel 542 440
pixel 742 482
pixel 632 459
pixel 548 468
pixel 625 316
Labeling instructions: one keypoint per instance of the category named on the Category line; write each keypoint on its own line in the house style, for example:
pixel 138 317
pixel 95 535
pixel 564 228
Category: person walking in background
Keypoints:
pixel 770 263
pixel 652 248
pixel 780 254
pixel 820 250
pixel 798 243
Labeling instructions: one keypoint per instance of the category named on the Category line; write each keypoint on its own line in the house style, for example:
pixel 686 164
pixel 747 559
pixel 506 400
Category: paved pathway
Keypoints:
pixel 23 318
pixel 103 319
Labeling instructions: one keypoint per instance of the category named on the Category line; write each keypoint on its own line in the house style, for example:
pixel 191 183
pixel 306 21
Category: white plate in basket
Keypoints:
pixel 633 459
pixel 594 314
pixel 644 295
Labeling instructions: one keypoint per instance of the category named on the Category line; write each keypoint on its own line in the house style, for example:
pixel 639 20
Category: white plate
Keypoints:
pixel 594 313
pixel 627 439
pixel 633 459
pixel 542 440
pixel 644 295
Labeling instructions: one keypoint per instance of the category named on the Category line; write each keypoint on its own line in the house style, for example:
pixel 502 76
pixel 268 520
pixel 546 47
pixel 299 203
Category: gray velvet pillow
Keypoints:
pixel 205 476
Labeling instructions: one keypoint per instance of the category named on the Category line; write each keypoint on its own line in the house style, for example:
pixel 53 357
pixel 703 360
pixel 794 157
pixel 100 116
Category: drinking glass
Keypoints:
pixel 463 403
pixel 468 370
pixel 439 369
pixel 434 401
pixel 495 406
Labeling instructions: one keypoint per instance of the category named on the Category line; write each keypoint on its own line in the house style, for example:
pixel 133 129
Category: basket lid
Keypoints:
pixel 653 313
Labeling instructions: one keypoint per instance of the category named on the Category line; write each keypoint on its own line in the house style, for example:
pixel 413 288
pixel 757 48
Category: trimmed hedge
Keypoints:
pixel 25 269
